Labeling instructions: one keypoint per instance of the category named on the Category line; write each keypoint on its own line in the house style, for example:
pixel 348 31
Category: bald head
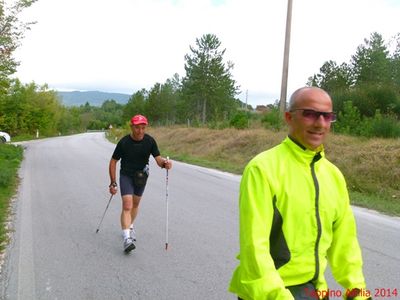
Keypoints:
pixel 301 94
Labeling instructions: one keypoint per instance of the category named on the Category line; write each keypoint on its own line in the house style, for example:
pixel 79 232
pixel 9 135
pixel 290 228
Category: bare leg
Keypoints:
pixel 130 208
pixel 127 203
pixel 135 207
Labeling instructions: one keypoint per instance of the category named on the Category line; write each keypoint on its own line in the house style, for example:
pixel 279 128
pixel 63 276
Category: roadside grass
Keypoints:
pixel 10 160
pixel 371 166
pixel 23 137
pixel 386 204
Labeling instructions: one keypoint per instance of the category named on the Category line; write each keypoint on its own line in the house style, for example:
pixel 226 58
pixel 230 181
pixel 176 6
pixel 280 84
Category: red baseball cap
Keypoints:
pixel 139 119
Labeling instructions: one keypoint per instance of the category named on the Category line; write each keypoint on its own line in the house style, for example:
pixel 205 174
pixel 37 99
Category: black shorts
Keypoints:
pixel 128 188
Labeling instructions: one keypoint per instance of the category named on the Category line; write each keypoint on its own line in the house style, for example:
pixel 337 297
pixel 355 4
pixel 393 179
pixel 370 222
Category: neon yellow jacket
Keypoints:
pixel 294 217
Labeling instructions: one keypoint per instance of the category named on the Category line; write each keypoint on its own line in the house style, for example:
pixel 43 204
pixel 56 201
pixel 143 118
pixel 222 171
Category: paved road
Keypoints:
pixel 56 254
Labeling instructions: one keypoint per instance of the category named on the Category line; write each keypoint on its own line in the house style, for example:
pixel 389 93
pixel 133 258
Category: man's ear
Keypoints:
pixel 288 117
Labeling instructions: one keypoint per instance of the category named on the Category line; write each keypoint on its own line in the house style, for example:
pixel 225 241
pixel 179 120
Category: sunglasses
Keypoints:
pixel 314 115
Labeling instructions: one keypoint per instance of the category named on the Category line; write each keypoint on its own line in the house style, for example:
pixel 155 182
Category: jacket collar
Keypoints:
pixel 301 153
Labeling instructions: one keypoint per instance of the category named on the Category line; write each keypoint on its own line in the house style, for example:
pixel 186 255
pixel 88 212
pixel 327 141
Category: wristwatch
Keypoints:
pixel 113 184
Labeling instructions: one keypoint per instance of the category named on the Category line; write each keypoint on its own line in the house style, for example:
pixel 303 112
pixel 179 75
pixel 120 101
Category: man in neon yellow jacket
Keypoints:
pixel 295 214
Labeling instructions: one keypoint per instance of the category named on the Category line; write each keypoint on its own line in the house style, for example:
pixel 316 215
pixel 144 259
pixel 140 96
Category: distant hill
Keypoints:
pixel 95 98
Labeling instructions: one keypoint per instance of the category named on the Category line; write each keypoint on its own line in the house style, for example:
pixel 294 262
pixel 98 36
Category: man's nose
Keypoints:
pixel 321 121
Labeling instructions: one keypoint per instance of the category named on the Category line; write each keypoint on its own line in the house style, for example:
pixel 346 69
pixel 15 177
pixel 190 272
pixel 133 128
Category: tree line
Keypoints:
pixel 365 91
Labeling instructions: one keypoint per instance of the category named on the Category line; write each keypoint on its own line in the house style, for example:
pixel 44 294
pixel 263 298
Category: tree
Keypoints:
pixel 395 62
pixel 11 33
pixel 371 81
pixel 43 107
pixel 110 112
pixel 208 89
pixel 332 77
pixel 70 121
pixel 136 105
pixel 170 95
pixel 13 110
pixel 28 108
pixel 154 105
pixel 371 63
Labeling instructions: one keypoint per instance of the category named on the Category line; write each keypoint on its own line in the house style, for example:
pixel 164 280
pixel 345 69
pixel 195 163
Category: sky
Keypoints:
pixel 126 45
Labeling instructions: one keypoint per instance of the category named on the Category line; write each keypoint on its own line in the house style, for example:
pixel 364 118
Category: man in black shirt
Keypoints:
pixel 134 151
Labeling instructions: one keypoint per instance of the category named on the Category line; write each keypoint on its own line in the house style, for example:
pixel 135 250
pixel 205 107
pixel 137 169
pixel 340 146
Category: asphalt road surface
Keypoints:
pixel 55 253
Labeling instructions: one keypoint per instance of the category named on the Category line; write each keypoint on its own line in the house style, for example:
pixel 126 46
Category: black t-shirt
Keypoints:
pixel 135 155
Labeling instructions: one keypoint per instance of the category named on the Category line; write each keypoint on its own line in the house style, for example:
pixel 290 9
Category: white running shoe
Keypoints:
pixel 129 245
pixel 132 234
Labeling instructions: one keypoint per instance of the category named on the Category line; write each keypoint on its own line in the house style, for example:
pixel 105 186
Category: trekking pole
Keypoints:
pixel 98 228
pixel 166 206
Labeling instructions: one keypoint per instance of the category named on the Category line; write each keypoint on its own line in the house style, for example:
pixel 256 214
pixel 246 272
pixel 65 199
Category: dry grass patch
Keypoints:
pixel 230 148
pixel 371 166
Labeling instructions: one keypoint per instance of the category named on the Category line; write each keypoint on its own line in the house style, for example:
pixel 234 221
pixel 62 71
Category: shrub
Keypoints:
pixel 240 120
pixel 385 126
pixel 96 125
pixel 349 120
pixel 273 119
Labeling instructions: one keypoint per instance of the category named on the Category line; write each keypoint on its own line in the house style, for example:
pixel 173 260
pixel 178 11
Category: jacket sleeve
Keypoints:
pixel 344 255
pixel 256 277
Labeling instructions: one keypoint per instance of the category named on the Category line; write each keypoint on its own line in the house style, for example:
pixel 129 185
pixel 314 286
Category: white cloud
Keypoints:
pixel 126 45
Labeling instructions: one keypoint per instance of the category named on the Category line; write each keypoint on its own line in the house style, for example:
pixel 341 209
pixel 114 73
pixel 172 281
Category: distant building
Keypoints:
pixel 262 109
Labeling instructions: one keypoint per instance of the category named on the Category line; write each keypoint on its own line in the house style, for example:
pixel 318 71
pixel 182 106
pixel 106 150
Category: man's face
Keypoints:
pixel 310 129
pixel 138 131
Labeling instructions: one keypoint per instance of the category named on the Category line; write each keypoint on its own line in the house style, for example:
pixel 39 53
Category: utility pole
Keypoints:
pixel 247 110
pixel 247 93
pixel 282 103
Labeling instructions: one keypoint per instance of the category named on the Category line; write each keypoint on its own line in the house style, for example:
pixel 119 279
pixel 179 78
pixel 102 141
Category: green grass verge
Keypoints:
pixel 10 160
pixel 383 203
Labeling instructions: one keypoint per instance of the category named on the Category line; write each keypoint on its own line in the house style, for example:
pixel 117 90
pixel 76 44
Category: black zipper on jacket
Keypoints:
pixel 317 216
